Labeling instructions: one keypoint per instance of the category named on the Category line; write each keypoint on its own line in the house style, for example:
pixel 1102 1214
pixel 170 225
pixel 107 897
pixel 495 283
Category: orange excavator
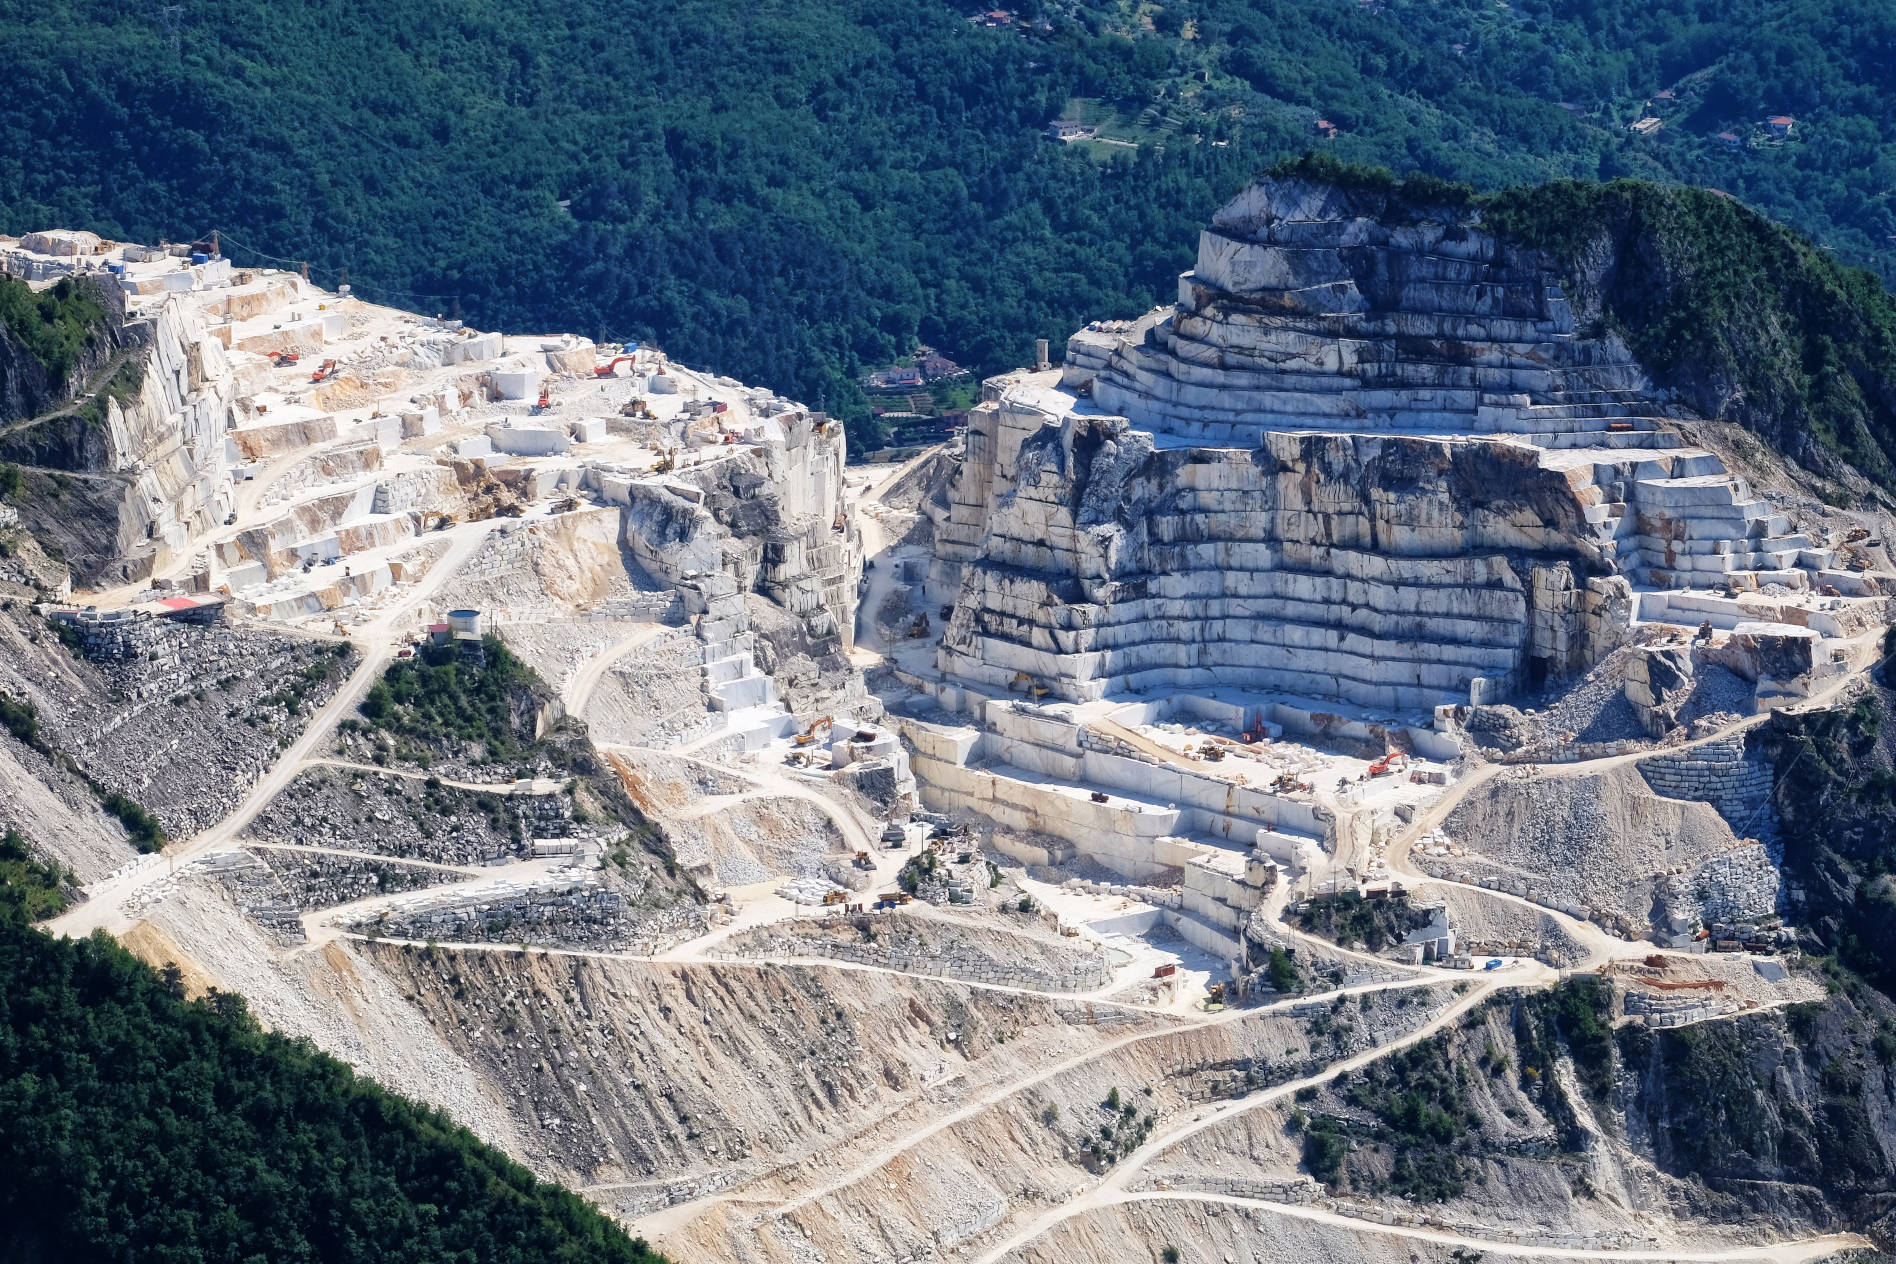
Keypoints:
pixel 545 401
pixel 282 359
pixel 605 370
pixel 809 735
pixel 330 369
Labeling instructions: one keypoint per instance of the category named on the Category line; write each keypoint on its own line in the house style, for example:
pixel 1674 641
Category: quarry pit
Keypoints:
pixel 930 858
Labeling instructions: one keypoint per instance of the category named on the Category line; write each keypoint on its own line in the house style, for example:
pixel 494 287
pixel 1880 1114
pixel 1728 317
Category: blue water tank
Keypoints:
pixel 200 258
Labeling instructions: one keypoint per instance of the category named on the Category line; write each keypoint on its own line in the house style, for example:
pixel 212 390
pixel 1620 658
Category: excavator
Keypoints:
pixel 1388 763
pixel 328 370
pixel 809 735
pixel 666 463
pixel 282 359
pixel 1034 688
pixel 545 401
pixel 605 370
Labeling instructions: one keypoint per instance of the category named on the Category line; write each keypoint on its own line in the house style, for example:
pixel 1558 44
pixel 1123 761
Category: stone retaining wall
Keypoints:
pixel 1719 773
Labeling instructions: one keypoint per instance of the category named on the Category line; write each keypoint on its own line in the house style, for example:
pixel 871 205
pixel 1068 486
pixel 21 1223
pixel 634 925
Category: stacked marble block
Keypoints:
pixel 732 682
pixel 1719 773
pixel 1036 769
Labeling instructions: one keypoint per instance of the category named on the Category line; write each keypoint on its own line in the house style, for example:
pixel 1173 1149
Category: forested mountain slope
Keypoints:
pixel 142 1125
pixel 795 189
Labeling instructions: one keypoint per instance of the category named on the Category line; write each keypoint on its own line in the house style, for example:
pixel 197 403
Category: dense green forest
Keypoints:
pixel 795 190
pixel 141 1125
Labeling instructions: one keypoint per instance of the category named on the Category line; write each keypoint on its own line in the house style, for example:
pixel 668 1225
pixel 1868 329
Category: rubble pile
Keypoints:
pixel 569 912
pixel 198 713
pixel 312 879
pixel 918 946
pixel 391 815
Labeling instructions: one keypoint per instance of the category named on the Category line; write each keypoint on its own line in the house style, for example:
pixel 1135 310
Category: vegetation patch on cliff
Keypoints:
pixel 440 702
pixel 1347 918
pixel 1747 320
pixel 36 889
pixel 54 325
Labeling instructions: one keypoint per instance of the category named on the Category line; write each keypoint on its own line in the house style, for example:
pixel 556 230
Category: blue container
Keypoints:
pixel 200 258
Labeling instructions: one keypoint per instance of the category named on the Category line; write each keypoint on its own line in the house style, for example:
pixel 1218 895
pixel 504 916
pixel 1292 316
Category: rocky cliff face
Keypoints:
pixel 1786 1114
pixel 1370 568
pixel 139 426
pixel 1369 455
pixel 1315 304
pixel 1836 775
pixel 30 387
pixel 1733 316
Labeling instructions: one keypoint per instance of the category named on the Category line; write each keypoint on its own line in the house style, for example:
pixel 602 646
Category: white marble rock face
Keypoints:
pixel 1365 457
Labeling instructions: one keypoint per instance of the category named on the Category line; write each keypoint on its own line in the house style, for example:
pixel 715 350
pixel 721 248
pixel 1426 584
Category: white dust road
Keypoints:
pixel 672 1218
pixel 1793 1252
pixel 579 690
pixel 104 906
pixel 1108 1190
pixel 535 785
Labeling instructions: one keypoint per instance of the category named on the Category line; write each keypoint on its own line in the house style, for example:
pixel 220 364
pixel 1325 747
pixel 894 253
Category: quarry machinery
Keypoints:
pixel 605 370
pixel 1034 689
pixel 328 370
pixel 809 735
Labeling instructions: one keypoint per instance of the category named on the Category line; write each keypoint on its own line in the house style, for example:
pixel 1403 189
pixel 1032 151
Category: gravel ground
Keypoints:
pixel 1593 709
pixel 1717 691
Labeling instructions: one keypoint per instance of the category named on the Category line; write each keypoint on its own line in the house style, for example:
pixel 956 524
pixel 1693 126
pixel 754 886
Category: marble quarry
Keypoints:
pixel 1366 458
pixel 1364 475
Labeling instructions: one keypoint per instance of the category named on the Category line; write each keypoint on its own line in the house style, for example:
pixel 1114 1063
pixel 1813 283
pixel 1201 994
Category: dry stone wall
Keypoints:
pixel 1719 773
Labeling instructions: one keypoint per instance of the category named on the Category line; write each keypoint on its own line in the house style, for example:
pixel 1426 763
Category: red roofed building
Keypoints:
pixel 1780 124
